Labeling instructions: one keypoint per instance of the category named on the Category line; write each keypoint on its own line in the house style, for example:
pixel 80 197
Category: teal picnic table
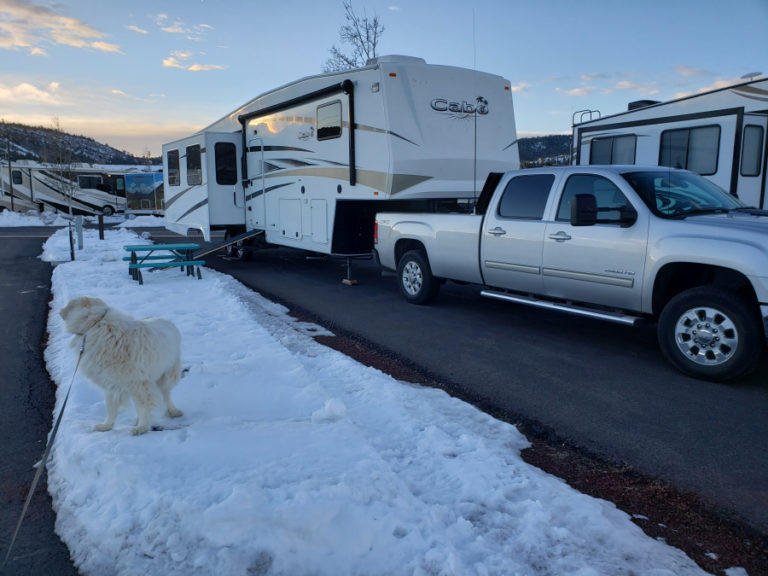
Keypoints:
pixel 161 256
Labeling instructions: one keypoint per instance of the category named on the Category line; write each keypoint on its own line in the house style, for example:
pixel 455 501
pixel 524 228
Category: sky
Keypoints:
pixel 292 458
pixel 137 74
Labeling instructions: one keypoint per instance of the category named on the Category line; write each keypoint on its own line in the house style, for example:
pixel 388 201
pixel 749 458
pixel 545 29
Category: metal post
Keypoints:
pixel 101 226
pixel 79 228
pixel 8 150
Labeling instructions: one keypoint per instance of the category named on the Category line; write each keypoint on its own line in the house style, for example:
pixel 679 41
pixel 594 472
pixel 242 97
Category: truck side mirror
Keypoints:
pixel 583 210
pixel 628 216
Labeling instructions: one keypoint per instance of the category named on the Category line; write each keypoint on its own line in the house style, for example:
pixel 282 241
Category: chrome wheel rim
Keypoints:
pixel 412 278
pixel 706 336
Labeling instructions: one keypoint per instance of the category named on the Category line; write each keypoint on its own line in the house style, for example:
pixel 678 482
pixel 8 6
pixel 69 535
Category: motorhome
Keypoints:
pixel 79 189
pixel 720 134
pixel 308 164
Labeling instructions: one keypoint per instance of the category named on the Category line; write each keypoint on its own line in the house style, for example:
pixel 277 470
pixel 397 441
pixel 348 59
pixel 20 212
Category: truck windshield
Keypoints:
pixel 676 194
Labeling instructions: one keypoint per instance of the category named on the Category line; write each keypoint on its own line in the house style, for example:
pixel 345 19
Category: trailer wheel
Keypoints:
pixel 416 282
pixel 711 334
pixel 236 251
pixel 108 210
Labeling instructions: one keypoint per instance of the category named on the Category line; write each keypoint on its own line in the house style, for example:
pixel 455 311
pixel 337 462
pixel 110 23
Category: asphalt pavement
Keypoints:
pixel 26 410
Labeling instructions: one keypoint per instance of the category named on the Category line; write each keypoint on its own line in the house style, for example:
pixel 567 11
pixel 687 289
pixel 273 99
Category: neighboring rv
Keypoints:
pixel 308 165
pixel 719 134
pixel 81 189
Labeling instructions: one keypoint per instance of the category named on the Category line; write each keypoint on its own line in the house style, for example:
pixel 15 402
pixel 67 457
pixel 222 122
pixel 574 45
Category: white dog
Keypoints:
pixel 125 357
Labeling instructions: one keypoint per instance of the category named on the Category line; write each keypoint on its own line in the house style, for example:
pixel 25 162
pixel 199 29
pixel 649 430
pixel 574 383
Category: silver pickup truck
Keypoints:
pixel 619 243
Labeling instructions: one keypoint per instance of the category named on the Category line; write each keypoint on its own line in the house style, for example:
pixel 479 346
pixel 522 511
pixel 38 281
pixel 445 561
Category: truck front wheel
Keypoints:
pixel 417 284
pixel 711 334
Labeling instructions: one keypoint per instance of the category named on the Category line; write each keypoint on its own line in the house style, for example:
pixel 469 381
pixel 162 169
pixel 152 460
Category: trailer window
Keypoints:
pixel 695 149
pixel 194 166
pixel 329 121
pixel 172 159
pixel 226 163
pixel 753 149
pixel 613 150
pixel 16 176
pixel 525 197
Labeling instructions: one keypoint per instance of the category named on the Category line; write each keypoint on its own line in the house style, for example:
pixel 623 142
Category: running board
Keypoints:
pixel 617 317
pixel 233 240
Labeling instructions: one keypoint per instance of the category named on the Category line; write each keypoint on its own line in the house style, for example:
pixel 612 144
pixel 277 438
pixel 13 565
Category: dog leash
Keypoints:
pixel 44 459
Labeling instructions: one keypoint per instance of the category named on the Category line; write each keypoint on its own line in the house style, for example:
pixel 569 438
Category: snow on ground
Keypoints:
pixel 294 459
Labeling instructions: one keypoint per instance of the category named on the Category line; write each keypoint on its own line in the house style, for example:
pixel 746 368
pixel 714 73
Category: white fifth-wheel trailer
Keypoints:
pixel 720 134
pixel 309 164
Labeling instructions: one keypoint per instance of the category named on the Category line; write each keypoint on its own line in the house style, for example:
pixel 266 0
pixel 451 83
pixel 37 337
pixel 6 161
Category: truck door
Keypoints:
pixel 752 165
pixel 512 234
pixel 600 264
pixel 255 206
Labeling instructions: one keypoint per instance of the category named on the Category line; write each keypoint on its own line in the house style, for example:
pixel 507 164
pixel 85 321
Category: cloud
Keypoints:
pixel 716 85
pixel 171 62
pixel 649 88
pixel 593 77
pixel 178 59
pixel 38 52
pixel 393 8
pixel 205 67
pixel 106 47
pixel 689 71
pixel 26 92
pixel 520 87
pixel 196 33
pixel 137 29
pixel 583 91
pixel 27 25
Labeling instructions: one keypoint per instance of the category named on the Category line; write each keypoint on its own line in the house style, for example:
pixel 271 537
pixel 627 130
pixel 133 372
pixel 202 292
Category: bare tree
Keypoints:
pixel 362 34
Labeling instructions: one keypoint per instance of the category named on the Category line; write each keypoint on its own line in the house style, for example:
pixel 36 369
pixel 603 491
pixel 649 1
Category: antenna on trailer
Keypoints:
pixel 751 75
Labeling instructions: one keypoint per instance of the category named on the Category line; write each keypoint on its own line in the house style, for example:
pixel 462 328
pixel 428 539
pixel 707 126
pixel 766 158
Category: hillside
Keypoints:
pixel 50 145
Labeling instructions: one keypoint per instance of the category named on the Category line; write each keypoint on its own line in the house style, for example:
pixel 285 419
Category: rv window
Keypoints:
pixel 600 151
pixel 89 181
pixel 753 148
pixel 526 196
pixel 695 149
pixel 194 166
pixel 226 163
pixel 16 176
pixel 329 121
pixel 613 150
pixel 173 168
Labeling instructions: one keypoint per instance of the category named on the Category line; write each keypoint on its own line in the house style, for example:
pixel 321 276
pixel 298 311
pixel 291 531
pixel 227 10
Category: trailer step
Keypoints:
pixel 228 242
pixel 616 317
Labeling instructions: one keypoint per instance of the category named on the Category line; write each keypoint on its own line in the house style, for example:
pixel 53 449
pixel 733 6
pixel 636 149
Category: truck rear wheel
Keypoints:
pixel 416 282
pixel 711 334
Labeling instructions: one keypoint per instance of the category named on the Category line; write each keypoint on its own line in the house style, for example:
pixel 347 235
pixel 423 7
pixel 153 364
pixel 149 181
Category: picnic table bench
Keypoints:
pixel 160 256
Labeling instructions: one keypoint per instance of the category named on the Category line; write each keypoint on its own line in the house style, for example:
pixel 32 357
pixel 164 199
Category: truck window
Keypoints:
pixel 226 163
pixel 610 200
pixel 194 165
pixel 172 159
pixel 329 121
pixel 695 149
pixel 526 196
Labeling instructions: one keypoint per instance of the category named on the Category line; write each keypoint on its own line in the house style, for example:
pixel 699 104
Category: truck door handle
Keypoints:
pixel 498 231
pixel 560 236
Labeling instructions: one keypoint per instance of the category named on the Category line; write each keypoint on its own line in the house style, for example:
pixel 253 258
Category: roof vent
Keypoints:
pixel 395 58
pixel 641 104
